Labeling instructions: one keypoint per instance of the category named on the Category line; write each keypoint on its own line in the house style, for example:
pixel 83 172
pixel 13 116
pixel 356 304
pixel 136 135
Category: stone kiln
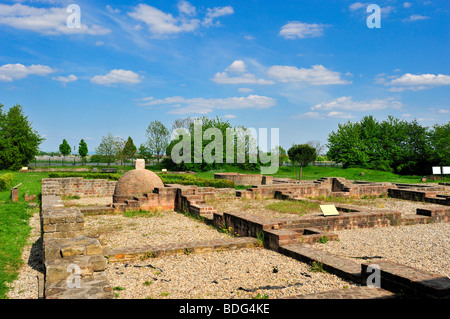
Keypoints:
pixel 136 183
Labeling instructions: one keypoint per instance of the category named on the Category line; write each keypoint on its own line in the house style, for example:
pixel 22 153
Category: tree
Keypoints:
pixel 440 140
pixel 302 154
pixel 144 152
pixel 19 142
pixel 129 150
pixel 82 150
pixel 157 138
pixel 65 148
pixel 110 148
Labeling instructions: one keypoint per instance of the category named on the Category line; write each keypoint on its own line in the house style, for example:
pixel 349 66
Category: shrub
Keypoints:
pixel 109 176
pixel 6 180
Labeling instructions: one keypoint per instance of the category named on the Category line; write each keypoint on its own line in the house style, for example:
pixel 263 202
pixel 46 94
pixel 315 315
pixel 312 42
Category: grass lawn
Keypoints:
pixel 316 172
pixel 14 228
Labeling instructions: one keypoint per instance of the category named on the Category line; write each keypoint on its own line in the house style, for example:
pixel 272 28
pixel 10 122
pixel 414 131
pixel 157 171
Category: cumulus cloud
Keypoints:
pixel 11 72
pixel 302 30
pixel 316 75
pixel 238 68
pixel 181 105
pixel 47 21
pixel 347 103
pixel 417 82
pixel 116 77
pixel 162 24
pixel 65 79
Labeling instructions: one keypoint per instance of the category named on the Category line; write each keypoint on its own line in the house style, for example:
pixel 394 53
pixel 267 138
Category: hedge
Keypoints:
pixel 6 180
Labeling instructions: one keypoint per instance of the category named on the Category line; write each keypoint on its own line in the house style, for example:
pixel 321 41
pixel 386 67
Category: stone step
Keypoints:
pixel 359 292
pixel 341 267
pixel 96 286
pixel 410 281
pixel 153 251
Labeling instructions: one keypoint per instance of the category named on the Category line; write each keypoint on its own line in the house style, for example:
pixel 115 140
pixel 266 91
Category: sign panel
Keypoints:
pixel 329 210
pixel 436 170
pixel 445 169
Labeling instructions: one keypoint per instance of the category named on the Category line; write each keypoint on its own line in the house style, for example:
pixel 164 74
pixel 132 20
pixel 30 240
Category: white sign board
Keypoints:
pixel 329 210
pixel 445 169
pixel 436 170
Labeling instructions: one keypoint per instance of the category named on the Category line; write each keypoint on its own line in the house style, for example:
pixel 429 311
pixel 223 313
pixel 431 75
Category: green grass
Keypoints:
pixel 14 228
pixel 293 207
pixel 316 172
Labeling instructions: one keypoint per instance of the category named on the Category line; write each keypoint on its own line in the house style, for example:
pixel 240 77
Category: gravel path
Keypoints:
pixel 424 247
pixel 163 228
pixel 26 285
pixel 228 274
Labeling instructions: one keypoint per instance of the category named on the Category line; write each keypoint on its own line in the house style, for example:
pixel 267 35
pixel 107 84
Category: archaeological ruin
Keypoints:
pixel 66 243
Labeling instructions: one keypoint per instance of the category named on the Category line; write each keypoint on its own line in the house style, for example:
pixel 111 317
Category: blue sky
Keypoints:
pixel 300 66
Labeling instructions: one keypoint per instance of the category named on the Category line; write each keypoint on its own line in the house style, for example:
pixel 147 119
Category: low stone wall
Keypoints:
pixel 74 264
pixel 245 179
pixel 420 196
pixel 77 186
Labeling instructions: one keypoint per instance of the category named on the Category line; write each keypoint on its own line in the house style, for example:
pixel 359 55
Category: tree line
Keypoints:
pixel 392 145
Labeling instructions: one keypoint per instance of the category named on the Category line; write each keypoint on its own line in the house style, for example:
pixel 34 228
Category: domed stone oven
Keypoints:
pixel 136 183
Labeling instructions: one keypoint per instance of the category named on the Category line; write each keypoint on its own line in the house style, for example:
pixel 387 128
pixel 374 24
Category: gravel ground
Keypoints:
pixel 424 247
pixel 89 201
pixel 163 228
pixel 228 274
pixel 26 285
pixel 257 207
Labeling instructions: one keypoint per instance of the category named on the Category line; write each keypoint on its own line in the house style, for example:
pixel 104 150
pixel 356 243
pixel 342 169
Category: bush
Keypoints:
pixel 188 179
pixel 6 180
pixel 110 176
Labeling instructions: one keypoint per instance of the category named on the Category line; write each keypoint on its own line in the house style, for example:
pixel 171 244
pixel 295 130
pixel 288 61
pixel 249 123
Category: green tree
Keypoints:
pixel 83 151
pixel 157 138
pixel 144 152
pixel 110 148
pixel 129 150
pixel 19 142
pixel 65 148
pixel 440 141
pixel 302 154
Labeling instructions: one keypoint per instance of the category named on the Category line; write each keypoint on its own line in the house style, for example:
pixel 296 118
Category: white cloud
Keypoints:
pixel 357 5
pixel 65 79
pixel 186 8
pixel 444 111
pixel 229 116
pixel 162 24
pixel 415 17
pixel 316 75
pixel 215 13
pixel 181 105
pixel 407 5
pixel 417 82
pixel 11 72
pixel 347 103
pixel 302 30
pixel 47 21
pixel 117 76
pixel 247 78
pixel 340 115
pixel 238 67
pixel 245 90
